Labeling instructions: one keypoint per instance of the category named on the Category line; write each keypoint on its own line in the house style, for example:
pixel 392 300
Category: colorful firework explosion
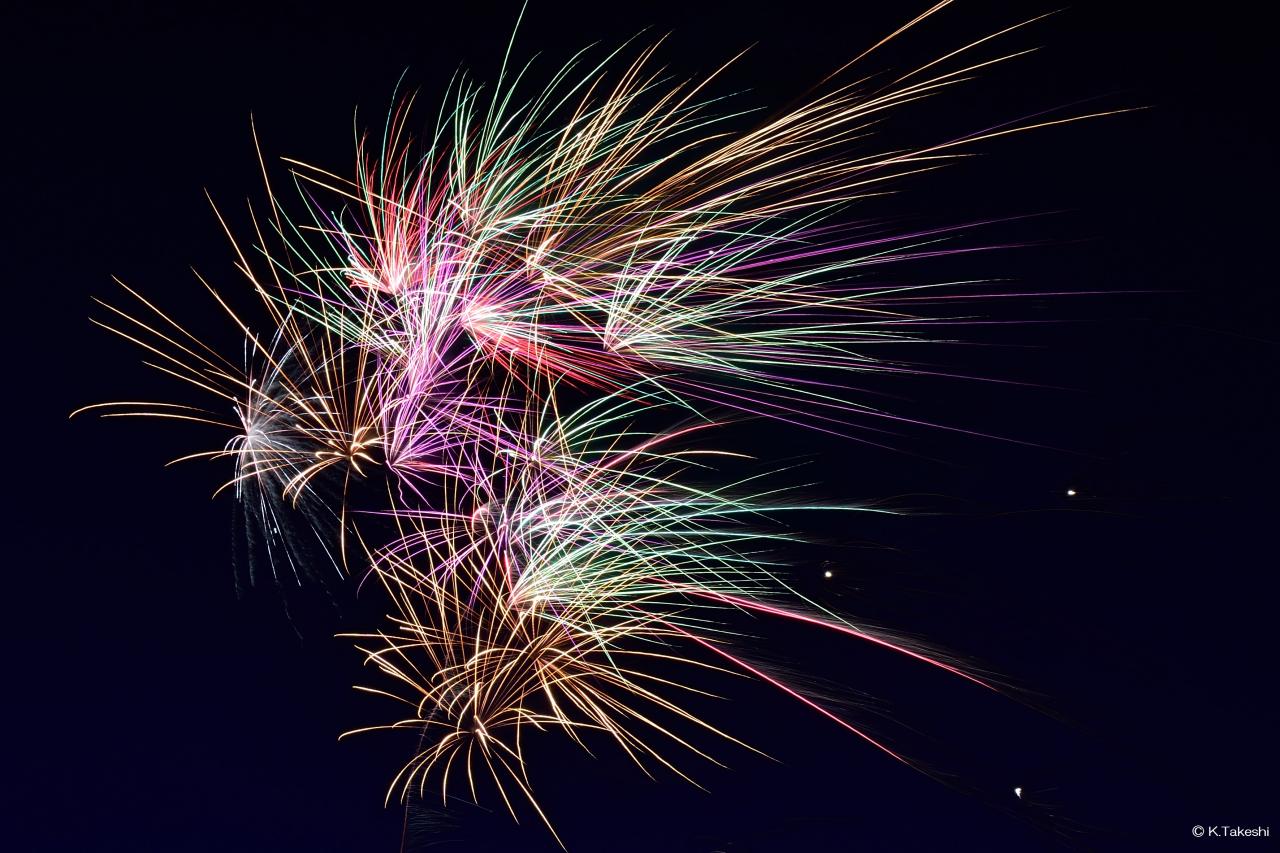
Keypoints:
pixel 460 347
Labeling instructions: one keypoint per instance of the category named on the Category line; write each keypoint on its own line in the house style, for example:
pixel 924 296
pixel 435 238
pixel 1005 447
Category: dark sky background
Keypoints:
pixel 150 707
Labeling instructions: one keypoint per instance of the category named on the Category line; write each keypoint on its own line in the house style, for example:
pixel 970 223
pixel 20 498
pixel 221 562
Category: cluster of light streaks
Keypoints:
pixel 460 357
pixel 536 597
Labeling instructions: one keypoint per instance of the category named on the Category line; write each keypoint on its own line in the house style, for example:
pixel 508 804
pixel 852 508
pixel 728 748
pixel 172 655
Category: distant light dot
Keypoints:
pixel 1017 792
pixel 1071 493
pixel 827 573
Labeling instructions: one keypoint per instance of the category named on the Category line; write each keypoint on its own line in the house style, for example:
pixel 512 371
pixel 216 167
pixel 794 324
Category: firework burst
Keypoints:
pixel 453 354
pixel 539 598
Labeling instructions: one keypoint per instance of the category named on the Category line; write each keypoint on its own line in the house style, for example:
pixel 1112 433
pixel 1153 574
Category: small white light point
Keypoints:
pixel 1071 493
pixel 827 574
pixel 1017 792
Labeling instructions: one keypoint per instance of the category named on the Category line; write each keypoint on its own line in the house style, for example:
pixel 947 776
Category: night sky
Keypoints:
pixel 151 705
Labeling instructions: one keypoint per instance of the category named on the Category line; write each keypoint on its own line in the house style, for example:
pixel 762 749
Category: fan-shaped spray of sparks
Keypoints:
pixel 479 326
pixel 546 590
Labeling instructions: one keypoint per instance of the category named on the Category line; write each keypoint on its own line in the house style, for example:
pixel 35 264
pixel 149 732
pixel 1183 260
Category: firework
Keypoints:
pixel 454 358
pixel 538 599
